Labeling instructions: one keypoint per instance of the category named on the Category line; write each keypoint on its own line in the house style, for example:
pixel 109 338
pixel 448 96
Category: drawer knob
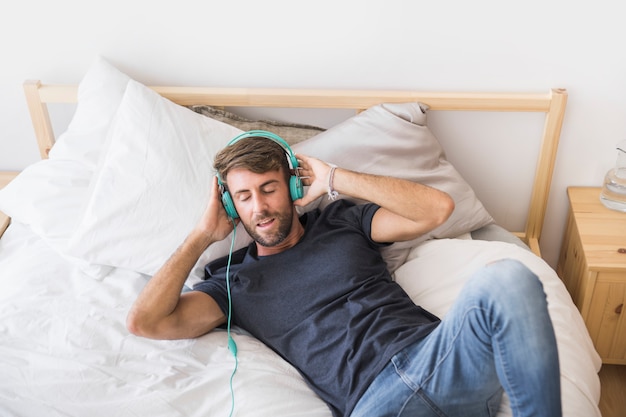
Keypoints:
pixel 621 250
pixel 619 308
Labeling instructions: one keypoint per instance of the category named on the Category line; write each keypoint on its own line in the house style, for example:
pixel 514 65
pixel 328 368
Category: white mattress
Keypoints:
pixel 65 350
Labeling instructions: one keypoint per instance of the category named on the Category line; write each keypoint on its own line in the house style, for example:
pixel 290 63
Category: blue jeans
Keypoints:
pixel 496 336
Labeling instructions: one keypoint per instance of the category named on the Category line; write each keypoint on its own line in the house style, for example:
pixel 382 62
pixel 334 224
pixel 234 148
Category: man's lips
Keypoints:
pixel 265 223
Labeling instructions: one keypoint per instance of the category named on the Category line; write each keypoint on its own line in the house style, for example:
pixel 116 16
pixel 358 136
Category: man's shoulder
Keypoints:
pixel 215 265
pixel 338 207
pixel 333 209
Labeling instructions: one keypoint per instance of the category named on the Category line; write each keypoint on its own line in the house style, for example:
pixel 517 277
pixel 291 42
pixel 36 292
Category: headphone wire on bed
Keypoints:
pixel 232 346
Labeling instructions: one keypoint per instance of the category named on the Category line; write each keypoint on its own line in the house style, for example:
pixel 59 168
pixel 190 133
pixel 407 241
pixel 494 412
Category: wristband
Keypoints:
pixel 332 194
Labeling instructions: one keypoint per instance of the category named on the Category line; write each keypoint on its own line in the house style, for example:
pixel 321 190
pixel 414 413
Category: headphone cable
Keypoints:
pixel 232 346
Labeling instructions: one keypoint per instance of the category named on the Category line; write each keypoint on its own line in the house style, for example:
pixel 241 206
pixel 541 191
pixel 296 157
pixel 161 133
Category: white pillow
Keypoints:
pixel 49 194
pixel 152 184
pixel 99 95
pixel 394 140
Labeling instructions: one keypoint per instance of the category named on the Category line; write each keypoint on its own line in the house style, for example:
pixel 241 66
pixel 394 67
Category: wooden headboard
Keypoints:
pixel 551 103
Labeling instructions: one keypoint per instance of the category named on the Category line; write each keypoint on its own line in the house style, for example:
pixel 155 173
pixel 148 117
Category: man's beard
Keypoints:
pixel 284 228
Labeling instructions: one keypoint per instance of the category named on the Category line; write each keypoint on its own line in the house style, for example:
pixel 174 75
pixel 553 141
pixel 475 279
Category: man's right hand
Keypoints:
pixel 215 224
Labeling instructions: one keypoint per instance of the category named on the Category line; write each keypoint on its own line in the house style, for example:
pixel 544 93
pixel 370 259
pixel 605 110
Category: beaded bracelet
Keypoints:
pixel 332 194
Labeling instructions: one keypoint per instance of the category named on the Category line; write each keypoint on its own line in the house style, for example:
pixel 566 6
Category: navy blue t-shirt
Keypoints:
pixel 327 305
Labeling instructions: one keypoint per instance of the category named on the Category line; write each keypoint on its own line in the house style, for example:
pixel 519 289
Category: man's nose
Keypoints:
pixel 259 203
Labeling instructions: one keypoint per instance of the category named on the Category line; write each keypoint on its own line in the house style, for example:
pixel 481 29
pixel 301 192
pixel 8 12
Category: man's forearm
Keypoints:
pixel 161 294
pixel 405 198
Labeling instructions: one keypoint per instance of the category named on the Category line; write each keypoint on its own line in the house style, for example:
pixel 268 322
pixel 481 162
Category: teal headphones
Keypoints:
pixel 295 182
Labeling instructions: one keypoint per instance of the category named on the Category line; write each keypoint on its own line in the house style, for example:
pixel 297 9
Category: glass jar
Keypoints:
pixel 613 194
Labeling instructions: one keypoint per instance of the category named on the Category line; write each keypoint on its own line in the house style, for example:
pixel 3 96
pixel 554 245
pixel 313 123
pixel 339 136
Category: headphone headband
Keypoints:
pixel 271 136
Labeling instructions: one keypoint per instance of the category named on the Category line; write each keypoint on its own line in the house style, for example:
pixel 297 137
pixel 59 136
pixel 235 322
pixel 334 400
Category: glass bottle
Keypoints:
pixel 613 193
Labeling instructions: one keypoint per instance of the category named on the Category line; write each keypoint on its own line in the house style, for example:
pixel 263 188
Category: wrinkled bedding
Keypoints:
pixel 65 350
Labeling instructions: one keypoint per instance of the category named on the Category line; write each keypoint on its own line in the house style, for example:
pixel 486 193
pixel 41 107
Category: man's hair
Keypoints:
pixel 255 154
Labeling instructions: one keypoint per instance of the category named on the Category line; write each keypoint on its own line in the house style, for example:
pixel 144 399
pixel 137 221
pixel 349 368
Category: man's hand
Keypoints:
pixel 315 176
pixel 215 224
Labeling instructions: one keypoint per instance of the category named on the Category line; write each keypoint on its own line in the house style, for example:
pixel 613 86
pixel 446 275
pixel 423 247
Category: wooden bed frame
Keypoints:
pixel 552 103
pixel 5 178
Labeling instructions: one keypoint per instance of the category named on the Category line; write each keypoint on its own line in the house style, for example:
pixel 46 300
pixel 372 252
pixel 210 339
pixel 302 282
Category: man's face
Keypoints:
pixel 263 204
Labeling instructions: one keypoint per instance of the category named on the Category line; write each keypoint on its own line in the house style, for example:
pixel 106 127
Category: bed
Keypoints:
pixel 115 193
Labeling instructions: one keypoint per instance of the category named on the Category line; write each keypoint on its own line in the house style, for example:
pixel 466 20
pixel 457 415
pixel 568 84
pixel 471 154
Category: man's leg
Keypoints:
pixel 497 334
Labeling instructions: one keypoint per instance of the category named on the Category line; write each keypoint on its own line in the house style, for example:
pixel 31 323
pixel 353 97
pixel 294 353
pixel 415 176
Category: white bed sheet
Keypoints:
pixel 65 350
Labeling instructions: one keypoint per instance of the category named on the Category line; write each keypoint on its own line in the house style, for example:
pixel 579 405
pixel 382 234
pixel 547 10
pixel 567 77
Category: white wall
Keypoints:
pixel 489 45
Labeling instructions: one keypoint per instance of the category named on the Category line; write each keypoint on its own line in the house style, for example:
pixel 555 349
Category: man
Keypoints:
pixel 316 290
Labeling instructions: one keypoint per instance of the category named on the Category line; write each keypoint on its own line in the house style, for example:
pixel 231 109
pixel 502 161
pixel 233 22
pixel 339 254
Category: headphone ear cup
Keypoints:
pixel 295 187
pixel 229 206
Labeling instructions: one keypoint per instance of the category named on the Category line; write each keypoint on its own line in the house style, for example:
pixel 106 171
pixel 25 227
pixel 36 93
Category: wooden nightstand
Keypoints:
pixel 592 265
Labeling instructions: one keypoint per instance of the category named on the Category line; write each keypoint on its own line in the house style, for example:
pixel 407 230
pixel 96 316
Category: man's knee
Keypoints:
pixel 507 277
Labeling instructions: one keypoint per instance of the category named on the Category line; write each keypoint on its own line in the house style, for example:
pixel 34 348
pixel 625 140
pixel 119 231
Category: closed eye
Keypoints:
pixel 269 188
pixel 243 196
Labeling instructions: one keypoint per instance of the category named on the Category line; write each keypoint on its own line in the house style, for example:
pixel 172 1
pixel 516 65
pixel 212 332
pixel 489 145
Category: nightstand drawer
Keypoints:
pixel 605 320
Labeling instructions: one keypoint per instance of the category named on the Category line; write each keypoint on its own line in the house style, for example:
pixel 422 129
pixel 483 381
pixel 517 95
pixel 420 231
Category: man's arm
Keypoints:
pixel 408 209
pixel 160 311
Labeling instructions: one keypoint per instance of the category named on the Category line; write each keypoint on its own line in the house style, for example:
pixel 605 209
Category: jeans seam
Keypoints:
pixel 400 372
pixel 426 399
pixel 505 374
pixel 450 345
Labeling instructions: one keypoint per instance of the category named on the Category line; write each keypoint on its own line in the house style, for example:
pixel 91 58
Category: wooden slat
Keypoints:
pixel 347 99
pixel 533 244
pixel 354 99
pixel 55 93
pixel 39 116
pixel 545 164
